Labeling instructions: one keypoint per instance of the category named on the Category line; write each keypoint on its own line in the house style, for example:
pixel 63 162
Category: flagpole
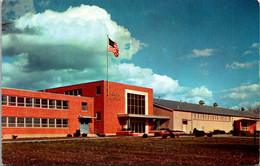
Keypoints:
pixel 107 64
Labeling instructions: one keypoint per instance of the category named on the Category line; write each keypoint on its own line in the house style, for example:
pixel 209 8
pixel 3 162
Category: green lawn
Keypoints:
pixel 135 151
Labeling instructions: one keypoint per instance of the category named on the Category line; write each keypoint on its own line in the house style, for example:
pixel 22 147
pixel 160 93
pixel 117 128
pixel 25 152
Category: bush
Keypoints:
pixel 14 136
pixel 102 135
pixel 77 134
pixel 209 135
pixel 145 136
pixel 157 134
pixel 84 135
pixel 164 136
pixel 172 135
pixel 198 133
pixel 219 132
pixel 69 135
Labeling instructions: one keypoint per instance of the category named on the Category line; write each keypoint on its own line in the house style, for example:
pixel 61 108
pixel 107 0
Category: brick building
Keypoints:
pixel 40 114
pixel 117 106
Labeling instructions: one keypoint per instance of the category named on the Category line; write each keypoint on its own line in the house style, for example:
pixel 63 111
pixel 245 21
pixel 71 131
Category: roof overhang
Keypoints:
pixel 122 115
pixel 87 117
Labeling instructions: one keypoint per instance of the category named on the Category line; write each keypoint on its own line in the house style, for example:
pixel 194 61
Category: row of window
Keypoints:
pixel 135 104
pixel 34 102
pixel 34 122
pixel 78 92
pixel 211 117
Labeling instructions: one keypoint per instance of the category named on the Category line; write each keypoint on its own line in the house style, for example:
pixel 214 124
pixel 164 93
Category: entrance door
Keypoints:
pixel 138 126
pixel 84 126
pixel 184 125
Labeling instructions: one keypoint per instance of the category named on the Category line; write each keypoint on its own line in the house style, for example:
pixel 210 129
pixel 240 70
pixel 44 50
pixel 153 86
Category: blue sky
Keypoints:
pixel 185 50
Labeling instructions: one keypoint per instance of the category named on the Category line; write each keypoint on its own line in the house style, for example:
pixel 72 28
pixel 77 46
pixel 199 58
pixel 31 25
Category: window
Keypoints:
pixel 4 100
pixel 44 122
pixel 245 126
pixel 20 122
pixel 65 123
pixel 135 104
pixel 36 122
pixel 28 102
pixel 44 103
pixel 11 122
pixel 98 90
pixel 4 122
pixel 12 100
pixel 65 105
pixel 20 101
pixel 52 104
pixel 76 92
pixel 28 122
pixel 51 122
pixel 58 122
pixel 37 103
pixel 58 104
pixel 98 115
pixel 84 106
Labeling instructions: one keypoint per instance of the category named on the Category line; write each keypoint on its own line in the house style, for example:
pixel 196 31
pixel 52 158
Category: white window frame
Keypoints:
pixel 137 93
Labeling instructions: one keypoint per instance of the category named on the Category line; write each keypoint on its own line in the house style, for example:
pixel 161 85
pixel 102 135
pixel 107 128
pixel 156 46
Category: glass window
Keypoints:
pixel 98 90
pixel 28 102
pixel 80 92
pixel 12 100
pixel 84 106
pixel 52 104
pixel 4 100
pixel 28 122
pixel 20 101
pixel 20 122
pixel 65 122
pixel 51 122
pixel 58 123
pixel 66 92
pixel 44 122
pixel 135 104
pixel 44 103
pixel 65 105
pixel 245 126
pixel 37 103
pixel 4 122
pixel 11 122
pixel 58 104
pixel 98 115
pixel 36 122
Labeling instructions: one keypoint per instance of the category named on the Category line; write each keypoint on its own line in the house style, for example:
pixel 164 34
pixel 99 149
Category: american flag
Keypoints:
pixel 112 47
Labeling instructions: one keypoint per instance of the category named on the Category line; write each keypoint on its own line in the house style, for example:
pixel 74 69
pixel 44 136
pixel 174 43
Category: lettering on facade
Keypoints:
pixel 114 96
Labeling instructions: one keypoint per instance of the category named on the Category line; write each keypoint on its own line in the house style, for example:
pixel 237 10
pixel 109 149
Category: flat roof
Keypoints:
pixel 197 108
pixel 122 115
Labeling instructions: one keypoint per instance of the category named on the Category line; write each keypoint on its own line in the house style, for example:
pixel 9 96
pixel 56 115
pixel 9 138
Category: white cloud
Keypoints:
pixel 197 94
pixel 237 65
pixel 255 45
pixel 244 92
pixel 201 53
pixel 253 49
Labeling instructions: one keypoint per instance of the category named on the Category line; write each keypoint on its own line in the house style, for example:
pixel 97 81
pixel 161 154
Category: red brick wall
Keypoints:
pixel 71 114
pixel 110 105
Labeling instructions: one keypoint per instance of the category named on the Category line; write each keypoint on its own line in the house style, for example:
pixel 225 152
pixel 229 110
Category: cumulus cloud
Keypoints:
pixel 201 53
pixel 162 85
pixel 246 65
pixel 73 41
pixel 197 94
pixel 244 92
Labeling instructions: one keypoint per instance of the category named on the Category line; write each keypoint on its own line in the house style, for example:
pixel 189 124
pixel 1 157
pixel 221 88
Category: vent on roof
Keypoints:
pixel 242 109
pixel 215 104
pixel 201 102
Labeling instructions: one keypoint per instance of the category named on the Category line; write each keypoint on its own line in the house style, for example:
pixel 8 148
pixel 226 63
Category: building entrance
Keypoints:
pixel 84 126
pixel 138 126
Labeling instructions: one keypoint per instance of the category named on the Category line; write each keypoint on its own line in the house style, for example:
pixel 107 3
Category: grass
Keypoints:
pixel 135 151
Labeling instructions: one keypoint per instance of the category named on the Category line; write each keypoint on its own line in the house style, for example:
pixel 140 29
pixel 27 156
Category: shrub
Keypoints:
pixel 14 136
pixel 199 133
pixel 209 135
pixel 77 134
pixel 157 134
pixel 145 136
pixel 172 135
pixel 102 135
pixel 164 136
pixel 84 135
pixel 219 132
pixel 69 135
